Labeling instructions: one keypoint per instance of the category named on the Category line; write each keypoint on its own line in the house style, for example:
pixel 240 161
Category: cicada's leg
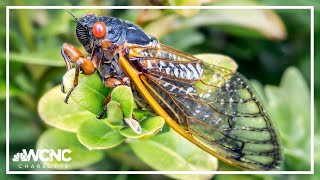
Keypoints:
pixel 72 55
pixel 104 110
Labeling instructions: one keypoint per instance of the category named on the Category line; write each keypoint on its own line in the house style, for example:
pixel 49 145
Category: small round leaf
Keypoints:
pixel 95 134
pixel 90 92
pixel 80 156
pixel 55 112
pixel 114 113
pixel 171 152
pixel 123 95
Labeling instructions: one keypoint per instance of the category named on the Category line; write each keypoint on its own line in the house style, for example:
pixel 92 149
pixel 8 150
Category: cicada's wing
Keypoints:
pixel 216 106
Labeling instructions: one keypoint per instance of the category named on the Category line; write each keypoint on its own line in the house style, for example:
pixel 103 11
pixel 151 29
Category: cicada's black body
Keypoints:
pixel 213 107
pixel 118 33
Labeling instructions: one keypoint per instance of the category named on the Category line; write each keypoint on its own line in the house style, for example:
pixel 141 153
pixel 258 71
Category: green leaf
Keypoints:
pixel 27 30
pixel 168 23
pixel 298 93
pixel 90 92
pixel 177 38
pixel 289 106
pixel 3 90
pixel 292 101
pixel 31 58
pixel 114 113
pixel 150 127
pixel 56 139
pixel 58 25
pixel 140 114
pixel 279 110
pixel 95 134
pixel 171 152
pixel 123 95
pixel 55 112
pixel 262 22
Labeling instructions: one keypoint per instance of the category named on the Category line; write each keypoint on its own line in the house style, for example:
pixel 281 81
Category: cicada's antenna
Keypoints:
pixel 72 15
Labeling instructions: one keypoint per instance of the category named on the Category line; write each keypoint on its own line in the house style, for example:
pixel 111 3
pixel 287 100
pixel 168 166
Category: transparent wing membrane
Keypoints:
pixel 216 106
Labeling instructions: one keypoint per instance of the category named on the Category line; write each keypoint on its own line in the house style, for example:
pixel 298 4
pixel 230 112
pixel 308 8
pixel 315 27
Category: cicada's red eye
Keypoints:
pixel 99 29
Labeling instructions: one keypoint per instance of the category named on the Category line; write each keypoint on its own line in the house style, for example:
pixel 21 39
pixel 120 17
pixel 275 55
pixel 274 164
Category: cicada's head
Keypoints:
pixel 99 32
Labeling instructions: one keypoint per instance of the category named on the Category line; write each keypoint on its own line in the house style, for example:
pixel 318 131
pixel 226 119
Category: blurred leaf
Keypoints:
pixel 2 75
pixel 95 134
pixel 262 23
pixel 3 89
pixel 218 60
pixel 178 40
pixel 289 106
pixel 90 92
pixel 167 23
pixel 144 16
pixel 36 59
pixel 13 90
pixel 2 38
pixel 237 177
pixel 3 121
pixel 57 139
pixel 298 94
pixel 123 95
pixel 185 12
pixel 171 152
pixel 150 127
pixel 30 131
pixel 293 3
pixel 251 23
pixel 279 110
pixel 57 25
pixel 15 42
pixel 26 27
pixel 55 112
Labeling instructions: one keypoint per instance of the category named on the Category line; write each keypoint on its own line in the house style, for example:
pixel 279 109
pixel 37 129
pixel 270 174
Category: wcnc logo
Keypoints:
pixel 43 155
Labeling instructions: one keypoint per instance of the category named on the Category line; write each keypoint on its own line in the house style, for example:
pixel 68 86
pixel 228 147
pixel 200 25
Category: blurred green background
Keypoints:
pixel 271 47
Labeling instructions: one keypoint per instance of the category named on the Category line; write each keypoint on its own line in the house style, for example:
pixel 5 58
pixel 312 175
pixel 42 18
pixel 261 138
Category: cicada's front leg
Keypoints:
pixel 72 55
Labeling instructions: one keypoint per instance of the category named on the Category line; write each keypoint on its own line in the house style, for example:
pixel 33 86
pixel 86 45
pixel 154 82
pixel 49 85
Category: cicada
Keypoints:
pixel 213 107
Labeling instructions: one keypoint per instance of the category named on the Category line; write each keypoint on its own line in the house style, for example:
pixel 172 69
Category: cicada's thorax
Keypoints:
pixel 108 67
